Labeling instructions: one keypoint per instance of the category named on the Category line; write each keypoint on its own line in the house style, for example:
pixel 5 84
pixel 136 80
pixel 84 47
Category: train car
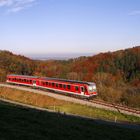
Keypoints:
pixel 22 79
pixel 80 88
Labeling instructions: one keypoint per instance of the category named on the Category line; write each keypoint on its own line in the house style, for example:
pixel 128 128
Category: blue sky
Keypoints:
pixel 61 27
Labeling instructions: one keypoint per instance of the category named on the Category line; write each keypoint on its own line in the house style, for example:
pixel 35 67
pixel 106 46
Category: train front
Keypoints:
pixel 92 90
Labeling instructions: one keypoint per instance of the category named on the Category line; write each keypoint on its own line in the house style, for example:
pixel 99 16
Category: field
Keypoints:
pixel 63 106
pixel 23 123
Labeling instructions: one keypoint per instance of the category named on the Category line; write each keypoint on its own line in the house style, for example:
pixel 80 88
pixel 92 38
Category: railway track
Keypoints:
pixel 94 103
pixel 117 106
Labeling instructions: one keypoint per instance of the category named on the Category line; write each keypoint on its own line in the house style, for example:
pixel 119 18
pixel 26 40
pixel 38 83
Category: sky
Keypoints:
pixel 66 27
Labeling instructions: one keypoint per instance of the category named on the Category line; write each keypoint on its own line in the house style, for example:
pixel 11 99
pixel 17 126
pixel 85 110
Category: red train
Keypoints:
pixel 83 89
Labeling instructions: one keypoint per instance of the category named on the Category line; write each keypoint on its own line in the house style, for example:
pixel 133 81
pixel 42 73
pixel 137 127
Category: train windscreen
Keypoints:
pixel 92 88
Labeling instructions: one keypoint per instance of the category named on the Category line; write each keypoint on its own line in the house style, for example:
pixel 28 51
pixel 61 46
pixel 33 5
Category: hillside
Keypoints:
pixel 117 74
pixel 11 63
pixel 120 65
pixel 24 123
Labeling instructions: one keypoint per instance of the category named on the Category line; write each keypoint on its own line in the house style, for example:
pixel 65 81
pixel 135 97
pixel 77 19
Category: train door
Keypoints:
pixel 82 90
pixel 34 82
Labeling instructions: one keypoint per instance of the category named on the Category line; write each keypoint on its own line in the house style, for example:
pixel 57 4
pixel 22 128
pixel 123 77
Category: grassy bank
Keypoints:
pixel 62 106
pixel 23 123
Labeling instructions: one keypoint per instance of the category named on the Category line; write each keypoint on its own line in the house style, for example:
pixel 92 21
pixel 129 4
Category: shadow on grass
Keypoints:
pixel 23 123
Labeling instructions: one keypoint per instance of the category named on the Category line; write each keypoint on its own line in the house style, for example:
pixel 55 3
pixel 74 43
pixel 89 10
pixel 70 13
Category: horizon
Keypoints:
pixel 63 56
pixel 56 27
pixel 66 56
pixel 58 56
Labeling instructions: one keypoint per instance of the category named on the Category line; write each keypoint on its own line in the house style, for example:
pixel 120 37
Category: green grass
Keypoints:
pixel 94 112
pixel 18 123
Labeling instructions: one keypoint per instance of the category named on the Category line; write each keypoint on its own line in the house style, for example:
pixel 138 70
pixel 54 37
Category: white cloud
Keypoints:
pixel 133 13
pixel 16 5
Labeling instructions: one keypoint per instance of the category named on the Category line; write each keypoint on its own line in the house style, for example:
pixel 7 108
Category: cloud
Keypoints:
pixel 133 13
pixel 16 5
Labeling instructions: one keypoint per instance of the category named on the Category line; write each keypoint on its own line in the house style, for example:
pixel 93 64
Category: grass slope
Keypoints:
pixel 63 106
pixel 22 123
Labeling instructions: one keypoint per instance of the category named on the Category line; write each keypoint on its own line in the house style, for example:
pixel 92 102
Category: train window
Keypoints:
pixel 60 85
pixel 76 88
pixel 46 83
pixel 56 85
pixel 53 84
pixel 30 81
pixel 64 86
pixel 82 89
pixel 68 86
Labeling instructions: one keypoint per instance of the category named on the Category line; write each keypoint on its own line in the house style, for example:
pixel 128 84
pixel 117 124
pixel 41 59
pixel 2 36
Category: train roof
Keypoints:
pixel 27 76
pixel 69 81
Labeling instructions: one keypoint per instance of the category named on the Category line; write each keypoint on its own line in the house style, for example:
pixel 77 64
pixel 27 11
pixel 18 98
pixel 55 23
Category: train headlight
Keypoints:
pixel 90 88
